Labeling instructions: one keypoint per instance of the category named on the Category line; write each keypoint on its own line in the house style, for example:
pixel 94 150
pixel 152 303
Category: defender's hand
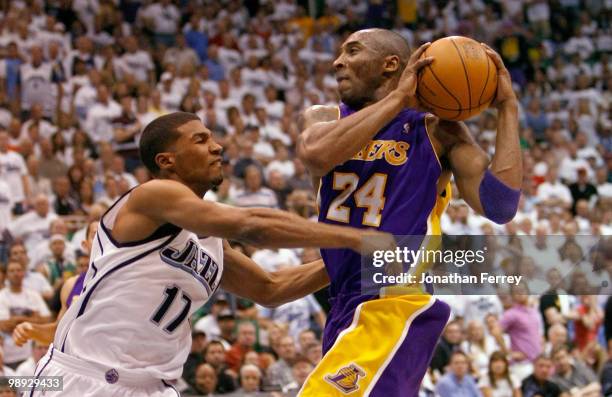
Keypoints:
pixel 22 333
pixel 372 240
pixel 407 84
pixel 505 94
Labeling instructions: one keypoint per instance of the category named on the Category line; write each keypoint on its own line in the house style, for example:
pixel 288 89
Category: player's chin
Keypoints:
pixel 217 180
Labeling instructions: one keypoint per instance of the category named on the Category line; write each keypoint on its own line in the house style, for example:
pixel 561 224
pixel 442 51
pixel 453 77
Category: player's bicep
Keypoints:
pixel 172 202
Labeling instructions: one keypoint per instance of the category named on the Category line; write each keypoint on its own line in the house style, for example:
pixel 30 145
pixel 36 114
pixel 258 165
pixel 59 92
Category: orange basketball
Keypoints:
pixel 460 82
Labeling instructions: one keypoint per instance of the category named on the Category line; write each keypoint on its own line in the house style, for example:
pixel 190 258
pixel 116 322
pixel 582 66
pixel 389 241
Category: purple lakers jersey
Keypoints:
pixel 390 185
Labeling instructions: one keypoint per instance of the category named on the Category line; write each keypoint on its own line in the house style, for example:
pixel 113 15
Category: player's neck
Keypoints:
pixel 198 188
pixel 382 91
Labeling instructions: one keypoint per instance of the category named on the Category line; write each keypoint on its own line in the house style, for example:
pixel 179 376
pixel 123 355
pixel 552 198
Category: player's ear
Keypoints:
pixel 165 160
pixel 391 64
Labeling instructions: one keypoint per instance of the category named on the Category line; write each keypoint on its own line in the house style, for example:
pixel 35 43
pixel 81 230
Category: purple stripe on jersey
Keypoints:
pixel 85 300
pixel 403 375
pixel 173 388
pixel 77 288
pixel 42 369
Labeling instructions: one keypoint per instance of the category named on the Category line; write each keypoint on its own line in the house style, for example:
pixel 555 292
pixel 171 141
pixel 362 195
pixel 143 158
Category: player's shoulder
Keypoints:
pixel 320 113
pixel 157 188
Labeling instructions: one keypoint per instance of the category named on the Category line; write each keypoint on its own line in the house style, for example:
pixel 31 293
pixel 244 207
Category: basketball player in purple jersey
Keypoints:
pixel 381 163
pixel 71 289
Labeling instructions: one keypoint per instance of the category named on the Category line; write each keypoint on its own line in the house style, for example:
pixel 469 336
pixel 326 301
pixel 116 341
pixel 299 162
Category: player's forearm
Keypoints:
pixel 279 229
pixel 507 163
pixel 322 146
pixel 296 282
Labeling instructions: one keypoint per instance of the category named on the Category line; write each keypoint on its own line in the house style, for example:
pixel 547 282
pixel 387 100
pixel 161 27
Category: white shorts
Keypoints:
pixel 86 379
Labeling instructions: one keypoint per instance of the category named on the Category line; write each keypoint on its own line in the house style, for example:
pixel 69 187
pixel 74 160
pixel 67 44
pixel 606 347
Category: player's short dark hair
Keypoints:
pixel 389 42
pixel 159 134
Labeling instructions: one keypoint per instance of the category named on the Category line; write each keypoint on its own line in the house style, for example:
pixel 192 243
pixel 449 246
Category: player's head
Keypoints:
pixel 370 60
pixel 178 146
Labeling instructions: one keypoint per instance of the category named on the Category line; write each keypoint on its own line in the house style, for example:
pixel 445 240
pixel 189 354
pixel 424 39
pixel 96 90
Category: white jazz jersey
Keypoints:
pixel 135 308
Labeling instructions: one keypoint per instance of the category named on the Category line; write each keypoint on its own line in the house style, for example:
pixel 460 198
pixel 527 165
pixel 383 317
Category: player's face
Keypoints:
pixel 197 155
pixel 358 70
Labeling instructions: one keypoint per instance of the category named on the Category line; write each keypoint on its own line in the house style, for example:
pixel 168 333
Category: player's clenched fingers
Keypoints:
pixel 417 54
pixel 21 334
pixel 494 56
pixel 421 63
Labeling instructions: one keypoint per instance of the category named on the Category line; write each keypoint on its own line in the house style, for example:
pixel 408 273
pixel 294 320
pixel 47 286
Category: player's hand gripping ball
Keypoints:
pixel 461 82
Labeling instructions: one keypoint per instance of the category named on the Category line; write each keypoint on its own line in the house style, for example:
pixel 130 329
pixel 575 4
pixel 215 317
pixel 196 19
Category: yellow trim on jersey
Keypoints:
pixel 433 149
pixel 366 347
pixel 431 242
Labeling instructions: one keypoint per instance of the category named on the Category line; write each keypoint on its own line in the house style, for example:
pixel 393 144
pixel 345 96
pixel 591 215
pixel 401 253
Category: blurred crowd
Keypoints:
pixel 81 78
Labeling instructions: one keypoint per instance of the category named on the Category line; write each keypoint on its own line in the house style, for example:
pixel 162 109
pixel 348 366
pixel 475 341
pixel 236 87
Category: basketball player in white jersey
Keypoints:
pixel 159 254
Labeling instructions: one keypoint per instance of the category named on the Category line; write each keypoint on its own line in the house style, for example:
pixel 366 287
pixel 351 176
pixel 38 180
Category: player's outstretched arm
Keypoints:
pixel 490 188
pixel 166 201
pixel 44 333
pixel 325 143
pixel 269 289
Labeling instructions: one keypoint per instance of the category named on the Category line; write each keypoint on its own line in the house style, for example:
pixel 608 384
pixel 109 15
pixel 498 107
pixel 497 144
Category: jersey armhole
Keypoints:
pixel 428 133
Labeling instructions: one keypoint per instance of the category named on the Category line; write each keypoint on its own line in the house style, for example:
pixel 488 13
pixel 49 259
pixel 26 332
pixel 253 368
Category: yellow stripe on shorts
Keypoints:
pixel 362 351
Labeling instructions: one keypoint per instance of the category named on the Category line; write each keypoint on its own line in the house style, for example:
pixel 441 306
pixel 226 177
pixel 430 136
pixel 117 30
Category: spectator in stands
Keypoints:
pixel 245 342
pixel 457 381
pixel 63 202
pixel 449 343
pixel 219 323
pixel 195 357
pixel 497 381
pixel 300 370
pixel 58 269
pixel 314 352
pixel 587 321
pixel 539 383
pixel 33 279
pixel 205 381
pixel 557 336
pixel 254 193
pixel 606 373
pixel 280 373
pixel 33 226
pixel 18 304
pixel 27 367
pixel 214 354
pixel 479 346
pixel 524 326
pixel 14 173
pixel 250 381
pixel 4 370
pixel 572 375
